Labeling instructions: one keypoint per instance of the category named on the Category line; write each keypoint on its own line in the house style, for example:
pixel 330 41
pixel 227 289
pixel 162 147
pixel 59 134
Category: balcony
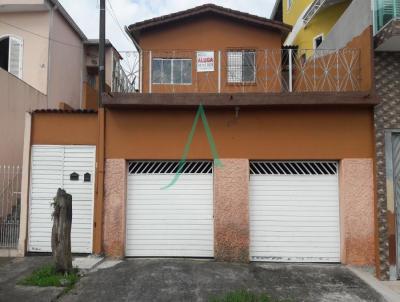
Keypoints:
pixel 387 25
pixel 250 71
pixel 385 11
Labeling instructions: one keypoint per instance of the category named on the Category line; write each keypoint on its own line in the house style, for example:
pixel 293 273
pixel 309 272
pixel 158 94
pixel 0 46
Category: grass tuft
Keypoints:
pixel 243 296
pixel 47 276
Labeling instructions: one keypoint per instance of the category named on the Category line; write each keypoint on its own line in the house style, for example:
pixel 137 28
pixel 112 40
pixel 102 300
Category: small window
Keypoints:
pixel 241 66
pixel 289 4
pixel 318 41
pixel 11 55
pixel 171 71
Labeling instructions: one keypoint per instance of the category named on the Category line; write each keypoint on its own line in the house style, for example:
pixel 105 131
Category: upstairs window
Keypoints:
pixel 241 66
pixel 11 55
pixel 318 41
pixel 171 71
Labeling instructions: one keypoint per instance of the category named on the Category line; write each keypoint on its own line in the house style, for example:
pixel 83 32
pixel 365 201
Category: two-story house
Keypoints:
pixel 352 21
pixel 227 152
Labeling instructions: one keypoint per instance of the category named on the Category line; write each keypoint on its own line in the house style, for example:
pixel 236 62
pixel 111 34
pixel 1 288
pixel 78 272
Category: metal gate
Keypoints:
pixel 396 188
pixel 10 204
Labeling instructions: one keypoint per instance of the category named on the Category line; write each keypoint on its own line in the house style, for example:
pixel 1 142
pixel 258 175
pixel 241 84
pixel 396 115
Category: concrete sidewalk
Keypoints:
pixel 14 269
pixel 390 290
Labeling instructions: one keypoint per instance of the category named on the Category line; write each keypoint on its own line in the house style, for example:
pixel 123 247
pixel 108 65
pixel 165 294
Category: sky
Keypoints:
pixel 85 14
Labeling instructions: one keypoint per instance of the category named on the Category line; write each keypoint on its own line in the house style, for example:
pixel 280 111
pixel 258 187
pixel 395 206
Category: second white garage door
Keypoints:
pixel 294 212
pixel 169 222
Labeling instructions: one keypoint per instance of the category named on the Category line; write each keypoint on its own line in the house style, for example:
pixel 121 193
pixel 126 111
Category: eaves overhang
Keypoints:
pixel 221 100
pixel 316 7
pixel 136 29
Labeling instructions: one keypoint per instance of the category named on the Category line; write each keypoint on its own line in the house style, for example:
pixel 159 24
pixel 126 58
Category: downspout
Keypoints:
pixel 140 50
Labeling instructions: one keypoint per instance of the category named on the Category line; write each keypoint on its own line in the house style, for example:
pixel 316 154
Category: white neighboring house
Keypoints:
pixel 43 46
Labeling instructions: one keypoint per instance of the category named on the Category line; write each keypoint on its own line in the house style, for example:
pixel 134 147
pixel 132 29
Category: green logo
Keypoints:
pixel 200 113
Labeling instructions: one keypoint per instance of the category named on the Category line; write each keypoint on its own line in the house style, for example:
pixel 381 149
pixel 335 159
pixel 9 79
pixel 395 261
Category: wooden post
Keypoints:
pixel 61 233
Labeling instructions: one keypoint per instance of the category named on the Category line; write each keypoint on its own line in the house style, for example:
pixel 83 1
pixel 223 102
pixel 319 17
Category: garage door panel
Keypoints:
pixel 294 212
pixel 172 222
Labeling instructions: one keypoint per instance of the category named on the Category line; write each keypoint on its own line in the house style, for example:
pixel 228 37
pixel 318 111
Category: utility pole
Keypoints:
pixel 102 38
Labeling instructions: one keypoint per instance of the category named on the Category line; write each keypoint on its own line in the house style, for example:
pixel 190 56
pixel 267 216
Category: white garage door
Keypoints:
pixel 170 222
pixel 51 168
pixel 294 212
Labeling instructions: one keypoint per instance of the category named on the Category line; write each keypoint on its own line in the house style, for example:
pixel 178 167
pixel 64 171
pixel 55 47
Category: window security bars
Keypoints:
pixel 170 167
pixel 10 204
pixel 294 167
pixel 241 66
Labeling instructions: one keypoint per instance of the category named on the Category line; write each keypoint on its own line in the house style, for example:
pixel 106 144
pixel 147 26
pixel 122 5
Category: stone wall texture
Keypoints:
pixel 114 207
pixel 356 184
pixel 387 116
pixel 231 210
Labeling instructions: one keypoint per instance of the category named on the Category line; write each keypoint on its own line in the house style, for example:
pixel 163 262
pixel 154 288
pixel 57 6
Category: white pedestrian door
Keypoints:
pixel 170 222
pixel 73 169
pixel 294 211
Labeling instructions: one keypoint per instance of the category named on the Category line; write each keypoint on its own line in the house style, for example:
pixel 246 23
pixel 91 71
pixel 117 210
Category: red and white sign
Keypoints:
pixel 205 61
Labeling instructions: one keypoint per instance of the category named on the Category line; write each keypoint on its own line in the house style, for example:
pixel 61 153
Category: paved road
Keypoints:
pixel 190 280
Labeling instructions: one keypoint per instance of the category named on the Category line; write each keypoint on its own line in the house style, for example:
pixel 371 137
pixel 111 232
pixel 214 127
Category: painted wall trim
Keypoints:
pixel 23 224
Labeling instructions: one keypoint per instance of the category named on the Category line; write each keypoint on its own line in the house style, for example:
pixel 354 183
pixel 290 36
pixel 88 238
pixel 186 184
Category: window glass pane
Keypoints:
pixel 177 71
pixel 318 41
pixel 234 66
pixel 187 71
pixel 249 66
pixel 166 72
pixel 156 71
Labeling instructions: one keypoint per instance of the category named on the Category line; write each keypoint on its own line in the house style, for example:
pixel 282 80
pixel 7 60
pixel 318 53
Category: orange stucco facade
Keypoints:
pixel 211 33
pixel 285 133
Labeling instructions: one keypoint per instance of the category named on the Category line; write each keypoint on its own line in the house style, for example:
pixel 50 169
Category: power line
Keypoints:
pixel 40 36
pixel 114 17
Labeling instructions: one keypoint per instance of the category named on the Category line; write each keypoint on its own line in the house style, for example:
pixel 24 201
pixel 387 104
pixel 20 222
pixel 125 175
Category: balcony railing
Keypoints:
pixel 120 81
pixel 385 11
pixel 244 71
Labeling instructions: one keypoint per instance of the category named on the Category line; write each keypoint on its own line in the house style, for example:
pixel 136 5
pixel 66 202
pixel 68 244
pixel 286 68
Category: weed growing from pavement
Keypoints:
pixel 244 296
pixel 47 276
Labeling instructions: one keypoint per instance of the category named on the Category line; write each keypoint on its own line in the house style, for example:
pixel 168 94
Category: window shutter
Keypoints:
pixel 15 57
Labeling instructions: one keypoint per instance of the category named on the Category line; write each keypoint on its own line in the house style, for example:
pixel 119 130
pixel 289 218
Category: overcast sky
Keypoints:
pixel 85 13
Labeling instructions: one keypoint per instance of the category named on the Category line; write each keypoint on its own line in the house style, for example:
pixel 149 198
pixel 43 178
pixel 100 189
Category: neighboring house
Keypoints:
pixel 273 169
pixel 46 62
pixel 312 20
pixel 349 24
pixel 41 45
